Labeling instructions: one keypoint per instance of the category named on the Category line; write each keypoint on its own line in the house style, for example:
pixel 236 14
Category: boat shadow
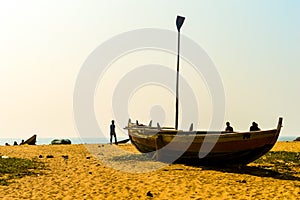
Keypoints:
pixel 260 171
pixel 281 165
pixel 275 164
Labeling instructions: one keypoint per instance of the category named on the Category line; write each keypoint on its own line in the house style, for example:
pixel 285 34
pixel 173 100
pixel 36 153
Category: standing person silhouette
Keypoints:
pixel 113 132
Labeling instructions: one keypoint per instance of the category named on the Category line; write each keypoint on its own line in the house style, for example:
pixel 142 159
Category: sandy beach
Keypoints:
pixel 117 172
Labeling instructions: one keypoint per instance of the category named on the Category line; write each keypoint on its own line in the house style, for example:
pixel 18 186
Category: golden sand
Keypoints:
pixel 92 176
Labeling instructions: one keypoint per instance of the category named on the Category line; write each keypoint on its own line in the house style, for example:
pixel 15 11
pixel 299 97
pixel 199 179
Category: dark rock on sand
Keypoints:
pixel 241 181
pixel 61 141
pixel 149 194
pixel 297 139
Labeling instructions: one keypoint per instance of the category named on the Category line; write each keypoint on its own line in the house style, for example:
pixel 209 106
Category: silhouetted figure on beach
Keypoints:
pixel 15 143
pixel 6 144
pixel 254 127
pixel 22 142
pixel 228 127
pixel 113 132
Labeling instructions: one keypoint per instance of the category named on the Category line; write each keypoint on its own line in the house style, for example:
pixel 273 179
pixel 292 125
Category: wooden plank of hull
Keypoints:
pixel 237 157
pixel 221 145
pixel 243 156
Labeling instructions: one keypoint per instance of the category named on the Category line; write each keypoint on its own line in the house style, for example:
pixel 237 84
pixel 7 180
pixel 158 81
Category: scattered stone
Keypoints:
pixel 40 156
pixel 60 141
pixel 297 139
pixel 49 156
pixel 241 181
pixel 4 157
pixel 90 172
pixel 65 157
pixel 88 157
pixel 149 194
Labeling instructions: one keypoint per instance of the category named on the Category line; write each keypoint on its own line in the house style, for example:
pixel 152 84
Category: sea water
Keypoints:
pixel 75 140
pixel 287 138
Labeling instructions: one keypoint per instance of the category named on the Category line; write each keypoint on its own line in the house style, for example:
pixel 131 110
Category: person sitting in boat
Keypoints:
pixel 254 127
pixel 138 124
pixel 228 127
pixel 113 132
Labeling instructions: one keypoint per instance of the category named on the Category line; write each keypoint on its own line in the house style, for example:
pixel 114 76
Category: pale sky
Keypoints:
pixel 254 45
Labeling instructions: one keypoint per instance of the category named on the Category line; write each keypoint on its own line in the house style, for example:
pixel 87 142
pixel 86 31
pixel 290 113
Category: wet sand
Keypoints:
pixel 119 172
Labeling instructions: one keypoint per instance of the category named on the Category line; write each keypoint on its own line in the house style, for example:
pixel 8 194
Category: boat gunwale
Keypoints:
pixel 164 132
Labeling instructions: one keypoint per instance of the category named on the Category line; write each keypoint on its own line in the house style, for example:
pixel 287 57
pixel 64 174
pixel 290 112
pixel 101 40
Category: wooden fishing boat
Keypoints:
pixel 30 141
pixel 168 144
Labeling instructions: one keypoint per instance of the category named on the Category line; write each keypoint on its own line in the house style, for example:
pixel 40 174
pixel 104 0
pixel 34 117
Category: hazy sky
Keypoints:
pixel 254 44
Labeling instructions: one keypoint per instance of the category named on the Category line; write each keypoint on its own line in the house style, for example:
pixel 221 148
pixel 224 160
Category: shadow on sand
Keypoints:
pixel 278 165
pixel 281 165
pixel 256 171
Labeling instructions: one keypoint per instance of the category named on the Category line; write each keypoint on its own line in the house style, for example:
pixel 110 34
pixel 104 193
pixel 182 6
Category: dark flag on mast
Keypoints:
pixel 179 22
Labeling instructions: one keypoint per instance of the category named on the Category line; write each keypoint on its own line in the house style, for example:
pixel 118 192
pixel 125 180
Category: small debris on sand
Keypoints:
pixel 149 194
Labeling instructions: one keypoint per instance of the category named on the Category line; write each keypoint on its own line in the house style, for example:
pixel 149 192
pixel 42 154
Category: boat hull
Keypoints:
pixel 123 141
pixel 30 141
pixel 217 148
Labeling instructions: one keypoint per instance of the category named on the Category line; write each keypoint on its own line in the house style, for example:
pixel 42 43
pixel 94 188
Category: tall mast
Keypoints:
pixel 179 22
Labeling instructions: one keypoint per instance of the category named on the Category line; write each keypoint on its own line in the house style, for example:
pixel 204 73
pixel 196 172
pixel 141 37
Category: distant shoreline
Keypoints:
pixel 74 140
pixel 77 140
